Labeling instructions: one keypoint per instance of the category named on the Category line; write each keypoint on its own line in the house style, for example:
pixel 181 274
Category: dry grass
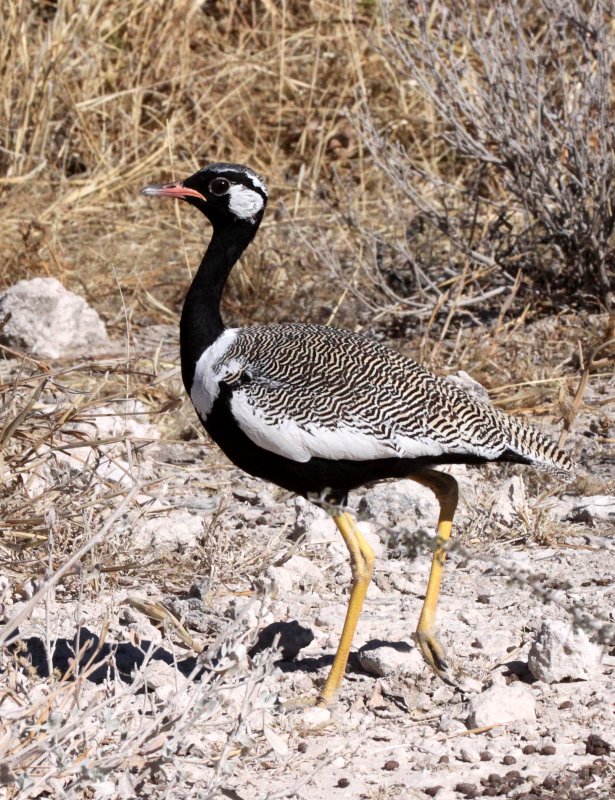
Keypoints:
pixel 128 93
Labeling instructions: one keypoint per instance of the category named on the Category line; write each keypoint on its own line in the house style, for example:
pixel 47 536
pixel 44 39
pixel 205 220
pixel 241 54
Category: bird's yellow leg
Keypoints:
pixel 362 564
pixel 447 493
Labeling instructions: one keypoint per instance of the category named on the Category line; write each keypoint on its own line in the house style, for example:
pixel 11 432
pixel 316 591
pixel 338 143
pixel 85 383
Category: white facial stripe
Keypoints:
pixel 256 181
pixel 243 202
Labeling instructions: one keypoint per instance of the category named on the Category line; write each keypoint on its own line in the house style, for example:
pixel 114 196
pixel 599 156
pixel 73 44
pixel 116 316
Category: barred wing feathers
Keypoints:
pixel 307 390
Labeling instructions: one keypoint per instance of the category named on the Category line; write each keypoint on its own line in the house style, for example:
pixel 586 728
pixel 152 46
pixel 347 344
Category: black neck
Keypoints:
pixel 201 321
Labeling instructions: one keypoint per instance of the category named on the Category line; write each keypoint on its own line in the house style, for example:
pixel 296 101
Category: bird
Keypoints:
pixel 322 411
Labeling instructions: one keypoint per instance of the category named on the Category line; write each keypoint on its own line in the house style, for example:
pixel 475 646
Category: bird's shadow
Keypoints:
pixel 100 661
pixel 122 660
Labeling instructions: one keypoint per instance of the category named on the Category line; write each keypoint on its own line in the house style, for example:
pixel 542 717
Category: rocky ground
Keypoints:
pixel 159 664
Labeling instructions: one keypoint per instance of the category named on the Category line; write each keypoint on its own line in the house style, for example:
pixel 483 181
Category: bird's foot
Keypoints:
pixel 301 702
pixel 315 713
pixel 435 655
pixel 306 701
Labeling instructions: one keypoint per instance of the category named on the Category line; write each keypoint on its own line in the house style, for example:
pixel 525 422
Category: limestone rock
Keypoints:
pixel 559 652
pixel 384 659
pixel 510 501
pixel 594 508
pixel 304 572
pixel 159 674
pixel 50 321
pixel 469 385
pixel 176 530
pixel 500 704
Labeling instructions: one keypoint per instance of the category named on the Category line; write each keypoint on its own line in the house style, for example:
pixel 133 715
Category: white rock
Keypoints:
pixel 559 652
pixel 159 673
pixel 128 418
pixel 386 660
pixel 103 789
pixel 401 583
pixel 232 698
pixel 302 572
pixel 316 716
pixel 10 709
pixel 501 704
pixel 510 501
pixel 313 523
pixel 400 500
pixel 470 752
pixel 448 724
pixel 177 530
pixel 50 321
pixel 368 530
pixel 596 507
pixel 164 694
pixel 282 579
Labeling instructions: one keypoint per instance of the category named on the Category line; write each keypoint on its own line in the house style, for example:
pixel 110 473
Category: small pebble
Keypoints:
pixel 432 791
pixel 509 760
pixel 566 704
pixel 483 598
pixel 302 747
pixel 343 783
pixel 443 760
pixel 486 756
pixel 467 789
pixel 596 746
pixel 391 765
pixel 529 749
pixel 316 715
pixel 547 750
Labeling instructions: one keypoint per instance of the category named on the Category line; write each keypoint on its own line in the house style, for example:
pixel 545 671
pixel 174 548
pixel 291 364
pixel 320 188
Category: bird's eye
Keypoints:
pixel 219 186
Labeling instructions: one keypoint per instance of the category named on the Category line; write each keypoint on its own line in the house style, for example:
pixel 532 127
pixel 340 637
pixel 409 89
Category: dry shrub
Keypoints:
pixel 500 182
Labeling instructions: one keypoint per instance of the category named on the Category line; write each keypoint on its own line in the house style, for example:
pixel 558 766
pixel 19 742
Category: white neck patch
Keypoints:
pixel 244 203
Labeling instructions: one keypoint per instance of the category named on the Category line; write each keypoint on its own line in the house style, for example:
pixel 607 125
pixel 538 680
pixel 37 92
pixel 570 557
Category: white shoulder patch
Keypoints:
pixel 208 372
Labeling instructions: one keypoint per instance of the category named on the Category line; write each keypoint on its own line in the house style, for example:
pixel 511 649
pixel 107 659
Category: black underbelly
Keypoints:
pixel 327 478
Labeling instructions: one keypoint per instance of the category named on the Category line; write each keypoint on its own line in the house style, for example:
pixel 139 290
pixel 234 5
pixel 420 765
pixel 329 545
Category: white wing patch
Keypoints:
pixel 244 203
pixel 207 374
pixel 300 442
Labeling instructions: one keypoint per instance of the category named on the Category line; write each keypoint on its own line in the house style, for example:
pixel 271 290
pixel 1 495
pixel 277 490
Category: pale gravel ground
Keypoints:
pixel 388 737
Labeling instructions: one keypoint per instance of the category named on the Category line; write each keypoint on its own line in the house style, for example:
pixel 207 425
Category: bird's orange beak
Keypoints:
pixel 172 190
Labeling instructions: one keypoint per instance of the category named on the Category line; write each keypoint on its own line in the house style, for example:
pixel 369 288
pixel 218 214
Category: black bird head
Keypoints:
pixel 225 193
